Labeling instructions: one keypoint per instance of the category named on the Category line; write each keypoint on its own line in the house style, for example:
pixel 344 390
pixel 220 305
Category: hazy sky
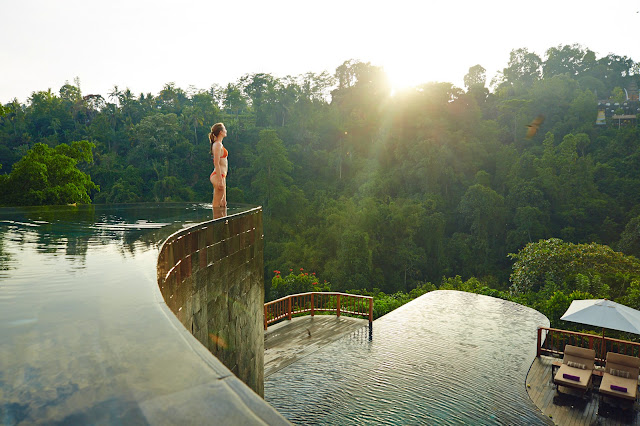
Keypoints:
pixel 144 44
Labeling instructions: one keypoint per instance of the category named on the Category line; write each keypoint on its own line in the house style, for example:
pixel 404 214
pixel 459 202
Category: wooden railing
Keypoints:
pixel 551 341
pixel 296 304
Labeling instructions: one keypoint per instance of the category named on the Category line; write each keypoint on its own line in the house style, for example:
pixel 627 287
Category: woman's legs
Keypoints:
pixel 217 193
pixel 218 197
pixel 223 201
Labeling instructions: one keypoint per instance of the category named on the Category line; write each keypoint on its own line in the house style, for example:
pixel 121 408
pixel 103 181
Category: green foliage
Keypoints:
pixel 482 209
pixel 271 170
pixel 295 283
pixel 630 238
pixel 617 95
pixel 560 262
pixel 632 295
pixel 368 189
pixel 556 306
pixel 384 303
pixel 48 176
pixel 477 76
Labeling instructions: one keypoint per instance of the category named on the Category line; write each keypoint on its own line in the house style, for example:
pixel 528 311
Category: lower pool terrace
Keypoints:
pixel 447 357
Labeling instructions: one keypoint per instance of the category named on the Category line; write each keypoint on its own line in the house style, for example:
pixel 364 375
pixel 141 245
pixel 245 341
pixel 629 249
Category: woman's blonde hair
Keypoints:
pixel 215 131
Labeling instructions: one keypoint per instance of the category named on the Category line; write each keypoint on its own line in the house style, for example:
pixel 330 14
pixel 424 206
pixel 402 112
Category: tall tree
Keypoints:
pixel 271 170
pixel 568 59
pixel 524 68
pixel 49 176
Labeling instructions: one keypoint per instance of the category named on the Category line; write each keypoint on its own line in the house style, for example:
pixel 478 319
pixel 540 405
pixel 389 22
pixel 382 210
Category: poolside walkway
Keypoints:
pixel 568 407
pixel 289 341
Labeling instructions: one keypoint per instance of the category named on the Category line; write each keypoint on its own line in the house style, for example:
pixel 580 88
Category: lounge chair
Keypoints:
pixel 576 370
pixel 620 377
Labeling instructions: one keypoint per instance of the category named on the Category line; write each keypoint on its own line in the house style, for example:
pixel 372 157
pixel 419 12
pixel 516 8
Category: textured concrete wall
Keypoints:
pixel 211 276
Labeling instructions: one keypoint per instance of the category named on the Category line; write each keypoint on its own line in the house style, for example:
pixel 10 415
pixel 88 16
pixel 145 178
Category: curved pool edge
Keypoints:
pixel 533 361
pixel 527 380
pixel 224 397
pixel 85 336
pixel 210 285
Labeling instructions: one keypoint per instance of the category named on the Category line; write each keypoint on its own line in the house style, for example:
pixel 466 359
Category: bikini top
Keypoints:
pixel 225 153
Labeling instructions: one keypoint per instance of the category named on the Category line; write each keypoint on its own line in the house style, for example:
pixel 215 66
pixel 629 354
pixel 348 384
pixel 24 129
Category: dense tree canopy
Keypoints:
pixel 49 176
pixel 561 262
pixel 368 188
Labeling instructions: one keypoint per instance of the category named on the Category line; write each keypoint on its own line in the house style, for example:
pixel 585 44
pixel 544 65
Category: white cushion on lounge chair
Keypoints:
pixel 616 365
pixel 585 377
pixel 630 384
pixel 576 356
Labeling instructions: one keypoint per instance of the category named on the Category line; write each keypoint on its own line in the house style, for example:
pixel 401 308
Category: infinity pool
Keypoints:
pixel 85 336
pixel 447 357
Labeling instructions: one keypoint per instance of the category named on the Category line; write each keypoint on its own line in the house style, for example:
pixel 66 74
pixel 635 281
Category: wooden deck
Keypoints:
pixel 568 407
pixel 289 341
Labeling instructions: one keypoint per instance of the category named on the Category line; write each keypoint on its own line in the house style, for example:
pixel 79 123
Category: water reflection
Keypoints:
pixel 445 358
pixel 71 229
pixel 83 336
pixel 219 212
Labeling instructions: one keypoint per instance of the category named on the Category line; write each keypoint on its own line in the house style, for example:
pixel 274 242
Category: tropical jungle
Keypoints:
pixel 524 187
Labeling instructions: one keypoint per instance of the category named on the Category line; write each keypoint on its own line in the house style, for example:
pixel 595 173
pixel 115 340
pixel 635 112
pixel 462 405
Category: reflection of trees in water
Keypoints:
pixel 149 237
pixel 72 229
pixel 5 257
pixel 62 229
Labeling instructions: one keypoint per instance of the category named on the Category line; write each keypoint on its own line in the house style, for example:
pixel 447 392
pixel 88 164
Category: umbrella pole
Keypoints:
pixel 603 345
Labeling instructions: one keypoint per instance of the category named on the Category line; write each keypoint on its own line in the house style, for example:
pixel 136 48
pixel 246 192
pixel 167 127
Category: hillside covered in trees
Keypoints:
pixel 368 188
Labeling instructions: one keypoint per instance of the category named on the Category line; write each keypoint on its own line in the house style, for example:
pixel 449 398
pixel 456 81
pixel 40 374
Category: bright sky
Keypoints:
pixel 144 44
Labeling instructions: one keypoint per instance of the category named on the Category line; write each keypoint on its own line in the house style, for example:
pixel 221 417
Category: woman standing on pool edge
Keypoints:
pixel 220 165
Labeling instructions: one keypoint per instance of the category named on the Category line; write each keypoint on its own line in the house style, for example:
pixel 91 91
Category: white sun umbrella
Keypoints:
pixel 604 313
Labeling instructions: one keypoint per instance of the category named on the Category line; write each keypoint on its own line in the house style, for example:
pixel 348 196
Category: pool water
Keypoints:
pixel 85 336
pixel 447 357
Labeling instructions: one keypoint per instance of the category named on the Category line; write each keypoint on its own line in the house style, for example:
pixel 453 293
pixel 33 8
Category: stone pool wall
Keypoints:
pixel 211 277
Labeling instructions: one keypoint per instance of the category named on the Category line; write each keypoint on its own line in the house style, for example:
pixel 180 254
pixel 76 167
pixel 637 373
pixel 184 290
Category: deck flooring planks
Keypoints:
pixel 290 341
pixel 568 408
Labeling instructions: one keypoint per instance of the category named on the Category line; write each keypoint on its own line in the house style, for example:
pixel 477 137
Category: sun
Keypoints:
pixel 406 70
pixel 403 76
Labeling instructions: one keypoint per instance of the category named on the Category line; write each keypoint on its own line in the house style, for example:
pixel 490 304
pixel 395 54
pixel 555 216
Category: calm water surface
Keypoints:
pixel 84 336
pixel 445 358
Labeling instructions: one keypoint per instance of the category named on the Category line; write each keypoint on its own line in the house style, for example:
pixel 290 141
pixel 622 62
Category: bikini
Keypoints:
pixel 225 154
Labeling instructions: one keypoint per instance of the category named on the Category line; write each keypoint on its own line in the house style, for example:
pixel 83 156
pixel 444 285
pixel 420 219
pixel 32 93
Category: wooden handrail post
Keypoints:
pixel 338 305
pixel 539 350
pixel 312 304
pixel 289 307
pixel 265 316
pixel 370 310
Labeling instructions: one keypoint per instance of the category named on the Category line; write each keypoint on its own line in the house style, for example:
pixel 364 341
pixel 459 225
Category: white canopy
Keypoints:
pixel 604 313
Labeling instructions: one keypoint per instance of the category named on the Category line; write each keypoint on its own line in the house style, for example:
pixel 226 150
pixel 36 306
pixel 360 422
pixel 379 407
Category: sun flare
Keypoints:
pixel 402 78
pixel 405 75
